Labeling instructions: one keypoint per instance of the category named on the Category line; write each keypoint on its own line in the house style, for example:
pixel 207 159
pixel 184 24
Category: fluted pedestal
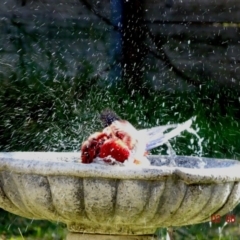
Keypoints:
pixel 82 236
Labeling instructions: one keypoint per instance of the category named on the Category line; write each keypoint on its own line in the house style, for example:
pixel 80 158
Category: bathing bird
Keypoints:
pixel 118 142
pixel 121 142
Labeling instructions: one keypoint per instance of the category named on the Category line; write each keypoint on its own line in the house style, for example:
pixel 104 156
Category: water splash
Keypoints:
pixel 199 142
pixel 170 150
pixel 157 137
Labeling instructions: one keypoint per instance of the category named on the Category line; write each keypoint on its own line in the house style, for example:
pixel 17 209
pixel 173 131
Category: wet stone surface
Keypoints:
pixel 93 198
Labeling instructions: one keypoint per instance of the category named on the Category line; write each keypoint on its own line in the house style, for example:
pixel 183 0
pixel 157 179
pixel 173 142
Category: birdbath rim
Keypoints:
pixel 120 200
pixel 190 169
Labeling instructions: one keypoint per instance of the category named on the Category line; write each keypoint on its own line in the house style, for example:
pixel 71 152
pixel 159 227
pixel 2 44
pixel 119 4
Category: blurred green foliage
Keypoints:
pixel 57 114
pixel 14 227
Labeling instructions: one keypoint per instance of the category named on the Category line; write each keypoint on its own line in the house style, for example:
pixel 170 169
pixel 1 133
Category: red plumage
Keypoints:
pixel 119 140
pixel 116 149
pixel 91 147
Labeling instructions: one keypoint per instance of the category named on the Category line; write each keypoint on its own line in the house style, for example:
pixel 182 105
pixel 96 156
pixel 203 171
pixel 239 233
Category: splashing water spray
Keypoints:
pixel 157 137
pixel 120 141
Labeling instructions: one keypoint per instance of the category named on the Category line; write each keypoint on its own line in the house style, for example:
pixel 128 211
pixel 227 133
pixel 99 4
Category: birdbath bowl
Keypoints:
pixel 118 200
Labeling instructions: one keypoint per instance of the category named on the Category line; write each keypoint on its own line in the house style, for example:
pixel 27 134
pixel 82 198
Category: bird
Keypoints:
pixel 119 142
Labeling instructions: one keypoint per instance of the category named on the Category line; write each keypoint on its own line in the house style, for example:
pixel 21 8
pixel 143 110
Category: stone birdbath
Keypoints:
pixel 115 202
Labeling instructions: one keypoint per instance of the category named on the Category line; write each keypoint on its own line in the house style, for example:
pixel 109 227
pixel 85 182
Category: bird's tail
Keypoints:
pixel 157 137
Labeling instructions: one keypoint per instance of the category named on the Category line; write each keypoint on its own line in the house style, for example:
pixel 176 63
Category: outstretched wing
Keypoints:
pixel 157 137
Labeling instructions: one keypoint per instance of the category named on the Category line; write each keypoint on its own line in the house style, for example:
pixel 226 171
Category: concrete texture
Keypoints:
pixel 94 198
pixel 81 236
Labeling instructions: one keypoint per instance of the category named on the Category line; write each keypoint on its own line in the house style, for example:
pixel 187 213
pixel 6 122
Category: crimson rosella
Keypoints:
pixel 119 141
